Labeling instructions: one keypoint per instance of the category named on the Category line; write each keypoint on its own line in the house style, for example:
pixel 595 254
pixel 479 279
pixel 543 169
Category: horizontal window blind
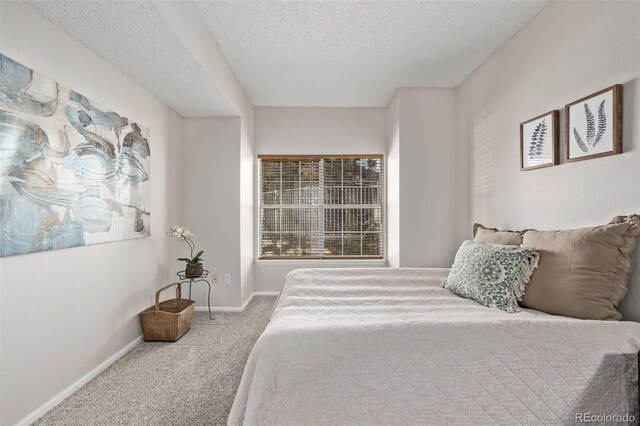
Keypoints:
pixel 321 207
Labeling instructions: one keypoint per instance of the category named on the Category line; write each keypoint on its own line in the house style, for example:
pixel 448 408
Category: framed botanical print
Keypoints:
pixel 594 125
pixel 539 141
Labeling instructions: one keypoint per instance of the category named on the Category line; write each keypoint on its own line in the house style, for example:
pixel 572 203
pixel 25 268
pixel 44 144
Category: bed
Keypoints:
pixel 390 346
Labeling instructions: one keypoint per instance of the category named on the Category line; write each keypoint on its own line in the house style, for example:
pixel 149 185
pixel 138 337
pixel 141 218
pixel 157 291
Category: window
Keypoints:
pixel 321 207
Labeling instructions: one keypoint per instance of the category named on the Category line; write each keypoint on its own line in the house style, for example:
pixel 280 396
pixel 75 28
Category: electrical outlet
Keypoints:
pixel 214 279
pixel 227 278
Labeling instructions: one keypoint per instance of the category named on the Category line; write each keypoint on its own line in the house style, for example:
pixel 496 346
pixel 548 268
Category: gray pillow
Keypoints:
pixel 583 273
pixel 494 275
pixel 482 234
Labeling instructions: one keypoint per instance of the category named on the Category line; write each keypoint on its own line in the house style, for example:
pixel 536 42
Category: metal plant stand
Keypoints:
pixel 201 278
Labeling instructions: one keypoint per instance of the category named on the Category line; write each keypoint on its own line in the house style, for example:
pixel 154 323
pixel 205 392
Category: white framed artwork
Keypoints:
pixel 539 141
pixel 594 125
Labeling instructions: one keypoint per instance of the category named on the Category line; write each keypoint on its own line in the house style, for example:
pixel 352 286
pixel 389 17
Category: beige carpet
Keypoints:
pixel 189 382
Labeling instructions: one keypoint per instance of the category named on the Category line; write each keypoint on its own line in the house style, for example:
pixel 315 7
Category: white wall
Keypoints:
pixel 427 177
pixel 66 311
pixel 308 130
pixel 393 183
pixel 247 211
pixel 217 203
pixel 211 202
pixel 195 35
pixel 571 49
pixel 424 191
pixel 311 131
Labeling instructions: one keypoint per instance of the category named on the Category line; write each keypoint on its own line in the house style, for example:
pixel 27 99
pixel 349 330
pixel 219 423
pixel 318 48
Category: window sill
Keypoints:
pixel 356 262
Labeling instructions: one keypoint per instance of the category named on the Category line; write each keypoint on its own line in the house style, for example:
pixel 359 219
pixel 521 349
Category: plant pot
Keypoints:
pixel 193 271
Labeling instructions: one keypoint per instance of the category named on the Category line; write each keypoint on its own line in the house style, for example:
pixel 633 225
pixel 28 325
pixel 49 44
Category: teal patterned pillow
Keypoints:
pixel 492 274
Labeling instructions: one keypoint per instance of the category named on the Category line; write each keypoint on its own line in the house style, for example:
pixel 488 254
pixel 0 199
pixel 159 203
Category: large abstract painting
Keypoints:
pixel 71 172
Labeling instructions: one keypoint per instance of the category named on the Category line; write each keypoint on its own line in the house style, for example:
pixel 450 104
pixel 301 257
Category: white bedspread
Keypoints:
pixel 390 346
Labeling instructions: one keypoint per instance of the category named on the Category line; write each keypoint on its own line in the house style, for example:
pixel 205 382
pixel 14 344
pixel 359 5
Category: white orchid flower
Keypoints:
pixel 185 235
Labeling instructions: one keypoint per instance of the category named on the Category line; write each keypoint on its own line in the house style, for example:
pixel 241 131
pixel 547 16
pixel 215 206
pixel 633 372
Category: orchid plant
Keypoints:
pixel 186 235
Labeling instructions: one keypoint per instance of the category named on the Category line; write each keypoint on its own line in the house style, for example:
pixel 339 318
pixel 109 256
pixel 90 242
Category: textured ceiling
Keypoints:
pixel 135 39
pixel 296 53
pixel 325 53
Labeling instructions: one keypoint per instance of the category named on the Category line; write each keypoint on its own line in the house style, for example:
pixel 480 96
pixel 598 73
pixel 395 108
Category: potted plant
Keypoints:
pixel 194 263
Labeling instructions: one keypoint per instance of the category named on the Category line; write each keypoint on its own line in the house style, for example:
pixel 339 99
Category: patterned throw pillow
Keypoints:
pixel 492 274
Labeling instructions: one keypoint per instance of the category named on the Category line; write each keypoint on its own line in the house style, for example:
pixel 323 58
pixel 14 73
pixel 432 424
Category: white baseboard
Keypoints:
pixel 42 410
pixel 236 308
pixel 246 302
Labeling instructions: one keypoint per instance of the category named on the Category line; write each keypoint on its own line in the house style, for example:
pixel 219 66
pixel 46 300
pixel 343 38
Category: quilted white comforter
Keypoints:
pixel 390 346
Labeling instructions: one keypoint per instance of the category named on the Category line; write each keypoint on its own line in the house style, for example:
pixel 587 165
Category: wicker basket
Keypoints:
pixel 167 321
